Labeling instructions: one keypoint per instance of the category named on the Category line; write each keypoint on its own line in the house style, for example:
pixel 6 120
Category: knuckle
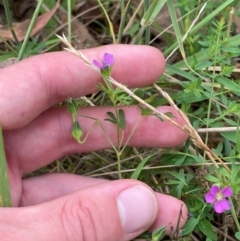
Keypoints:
pixel 82 220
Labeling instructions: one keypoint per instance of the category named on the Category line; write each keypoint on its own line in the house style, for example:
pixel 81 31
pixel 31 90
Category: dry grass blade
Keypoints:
pixel 196 139
pixel 187 128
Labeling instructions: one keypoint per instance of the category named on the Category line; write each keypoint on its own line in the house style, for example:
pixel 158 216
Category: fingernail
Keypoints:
pixel 137 208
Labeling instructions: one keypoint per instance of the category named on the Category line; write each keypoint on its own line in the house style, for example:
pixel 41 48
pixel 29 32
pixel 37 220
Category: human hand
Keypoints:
pixel 66 206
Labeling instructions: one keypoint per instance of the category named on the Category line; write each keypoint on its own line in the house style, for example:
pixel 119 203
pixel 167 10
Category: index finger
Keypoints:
pixel 34 84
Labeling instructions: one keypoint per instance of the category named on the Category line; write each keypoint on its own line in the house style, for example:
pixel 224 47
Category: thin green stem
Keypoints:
pixel 101 126
pixel 109 21
pixel 69 20
pixel 9 19
pixel 139 35
pixel 119 164
pixel 30 28
pixel 124 12
pixel 129 137
pixel 234 215
pixel 147 32
pixel 5 195
pixel 8 45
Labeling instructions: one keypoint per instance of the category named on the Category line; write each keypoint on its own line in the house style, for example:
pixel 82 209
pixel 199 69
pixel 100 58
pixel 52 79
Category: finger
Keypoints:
pixel 118 210
pixel 48 137
pixel 53 185
pixel 171 210
pixel 33 85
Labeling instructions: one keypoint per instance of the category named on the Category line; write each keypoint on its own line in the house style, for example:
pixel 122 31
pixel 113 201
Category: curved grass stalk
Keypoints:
pixel 196 139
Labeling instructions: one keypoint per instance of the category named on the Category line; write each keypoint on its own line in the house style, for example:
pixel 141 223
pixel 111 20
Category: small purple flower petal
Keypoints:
pixel 221 206
pixel 227 192
pixel 96 63
pixel 214 190
pixel 218 207
pixel 210 198
pixel 226 204
pixel 108 59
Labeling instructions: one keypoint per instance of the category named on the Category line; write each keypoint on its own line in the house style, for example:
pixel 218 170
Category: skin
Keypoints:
pixel 36 133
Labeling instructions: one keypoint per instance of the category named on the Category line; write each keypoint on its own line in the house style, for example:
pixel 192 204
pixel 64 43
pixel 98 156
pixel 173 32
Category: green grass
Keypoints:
pixel 201 48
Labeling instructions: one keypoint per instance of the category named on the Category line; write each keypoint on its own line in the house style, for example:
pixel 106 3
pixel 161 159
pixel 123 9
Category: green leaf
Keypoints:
pixel 122 122
pixel 152 12
pixel 237 235
pixel 212 178
pixel 230 135
pixel 204 43
pixel 235 88
pixel 145 111
pixel 180 161
pixel 140 166
pixel 179 175
pixel 5 196
pixel 203 64
pixel 112 119
pixel 206 227
pixel 231 50
pixel 189 226
pixel 158 234
pixel 7 56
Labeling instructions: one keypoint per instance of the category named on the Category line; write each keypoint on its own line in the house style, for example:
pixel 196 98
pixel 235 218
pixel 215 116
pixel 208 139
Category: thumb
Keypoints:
pixel 118 210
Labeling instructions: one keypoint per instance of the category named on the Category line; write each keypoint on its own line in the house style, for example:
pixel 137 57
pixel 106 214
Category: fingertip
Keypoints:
pixel 142 64
pixel 172 213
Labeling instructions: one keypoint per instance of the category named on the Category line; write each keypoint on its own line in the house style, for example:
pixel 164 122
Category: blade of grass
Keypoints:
pixel 149 17
pixel 172 13
pixel 69 9
pixel 9 19
pixel 109 22
pixel 124 13
pixel 5 195
pixel 147 31
pixel 30 28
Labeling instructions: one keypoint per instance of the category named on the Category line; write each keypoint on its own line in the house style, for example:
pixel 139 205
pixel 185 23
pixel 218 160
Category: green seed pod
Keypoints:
pixel 77 131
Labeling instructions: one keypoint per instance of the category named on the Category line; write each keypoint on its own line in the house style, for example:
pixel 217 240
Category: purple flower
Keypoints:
pixel 107 62
pixel 219 198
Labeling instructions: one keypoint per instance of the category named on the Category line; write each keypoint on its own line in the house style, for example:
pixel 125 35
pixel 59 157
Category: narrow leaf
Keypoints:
pixel 122 121
pixel 140 166
pixel 5 196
